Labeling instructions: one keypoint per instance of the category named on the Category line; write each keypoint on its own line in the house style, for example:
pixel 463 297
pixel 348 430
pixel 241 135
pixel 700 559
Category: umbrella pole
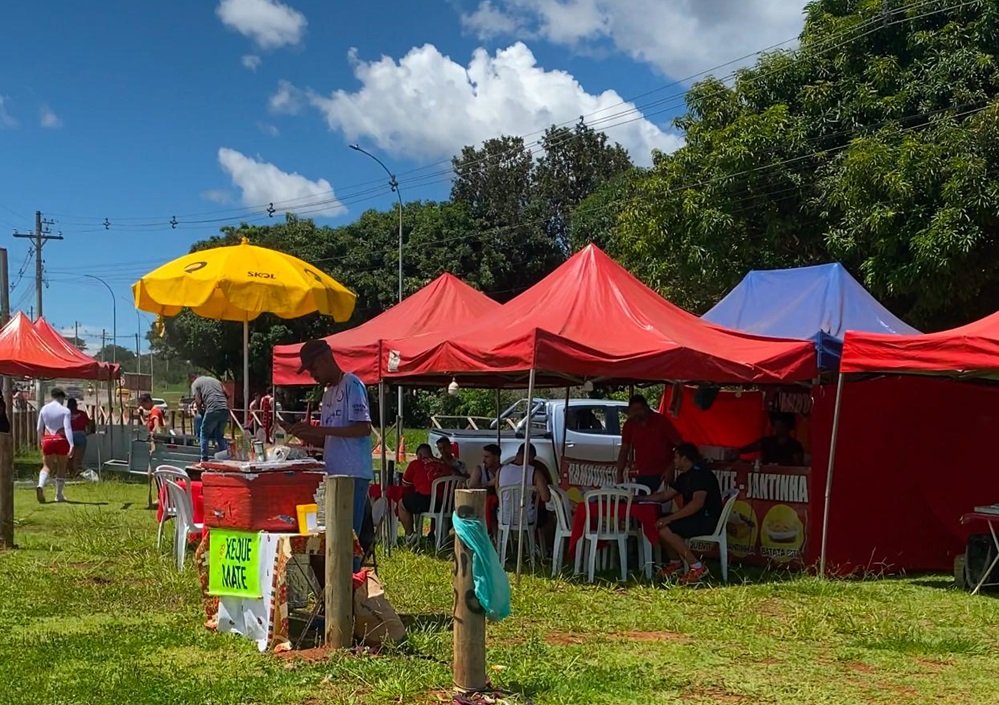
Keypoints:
pixel 829 473
pixel 523 479
pixel 246 374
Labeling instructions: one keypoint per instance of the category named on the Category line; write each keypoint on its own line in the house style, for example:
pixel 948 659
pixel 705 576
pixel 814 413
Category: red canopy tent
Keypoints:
pixel 435 310
pixel 916 434
pixel 59 343
pixel 591 319
pixel 26 353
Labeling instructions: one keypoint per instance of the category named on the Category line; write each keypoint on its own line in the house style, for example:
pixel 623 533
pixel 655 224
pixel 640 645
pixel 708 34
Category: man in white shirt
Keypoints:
pixel 345 424
pixel 512 475
pixel 55 436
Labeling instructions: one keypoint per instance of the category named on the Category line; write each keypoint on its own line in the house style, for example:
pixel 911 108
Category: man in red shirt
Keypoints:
pixel 648 440
pixel 417 486
pixel 155 420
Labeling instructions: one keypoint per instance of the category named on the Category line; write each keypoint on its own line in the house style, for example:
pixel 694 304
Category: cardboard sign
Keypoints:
pixel 234 564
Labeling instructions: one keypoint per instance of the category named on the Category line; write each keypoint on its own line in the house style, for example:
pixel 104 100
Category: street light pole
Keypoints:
pixel 394 185
pixel 114 317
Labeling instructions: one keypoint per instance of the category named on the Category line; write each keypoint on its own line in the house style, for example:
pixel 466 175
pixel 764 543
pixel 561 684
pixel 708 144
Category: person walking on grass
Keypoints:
pixel 80 421
pixel 210 399
pixel 55 437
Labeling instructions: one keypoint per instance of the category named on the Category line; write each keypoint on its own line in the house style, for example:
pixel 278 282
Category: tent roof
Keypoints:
pixel 437 309
pixel 25 353
pixel 591 318
pixel 971 350
pixel 818 303
pixel 59 343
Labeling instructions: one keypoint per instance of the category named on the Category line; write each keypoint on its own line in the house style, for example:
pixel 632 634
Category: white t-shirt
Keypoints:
pixel 344 404
pixel 511 475
pixel 54 417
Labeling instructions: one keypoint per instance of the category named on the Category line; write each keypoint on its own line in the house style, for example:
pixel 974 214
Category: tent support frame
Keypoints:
pixel 829 472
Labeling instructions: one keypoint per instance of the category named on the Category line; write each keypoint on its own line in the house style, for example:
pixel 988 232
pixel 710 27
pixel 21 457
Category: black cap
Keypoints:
pixel 145 397
pixel 312 350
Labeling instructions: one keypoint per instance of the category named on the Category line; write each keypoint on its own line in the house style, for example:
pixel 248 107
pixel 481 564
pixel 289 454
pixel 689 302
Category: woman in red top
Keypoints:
pixel 80 422
pixel 417 486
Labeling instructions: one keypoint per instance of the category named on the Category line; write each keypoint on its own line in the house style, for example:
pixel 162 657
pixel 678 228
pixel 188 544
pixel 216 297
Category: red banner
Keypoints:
pixel 578 476
pixel 769 522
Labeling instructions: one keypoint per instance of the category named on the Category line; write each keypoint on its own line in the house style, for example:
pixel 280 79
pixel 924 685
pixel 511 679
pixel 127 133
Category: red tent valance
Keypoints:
pixel 26 352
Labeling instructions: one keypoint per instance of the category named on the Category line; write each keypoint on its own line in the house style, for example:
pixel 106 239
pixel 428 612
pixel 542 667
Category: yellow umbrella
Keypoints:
pixel 238 283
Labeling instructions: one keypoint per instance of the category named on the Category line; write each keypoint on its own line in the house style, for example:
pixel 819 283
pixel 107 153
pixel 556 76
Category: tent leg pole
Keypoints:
pixel 499 423
pixel 565 427
pixel 523 479
pixel 829 473
pixel 387 520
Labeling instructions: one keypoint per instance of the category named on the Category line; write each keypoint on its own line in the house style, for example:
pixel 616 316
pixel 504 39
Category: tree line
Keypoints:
pixel 874 143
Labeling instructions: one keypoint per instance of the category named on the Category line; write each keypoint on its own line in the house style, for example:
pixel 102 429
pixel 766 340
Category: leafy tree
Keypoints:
pixel 78 343
pixel 873 143
pixel 117 353
pixel 574 163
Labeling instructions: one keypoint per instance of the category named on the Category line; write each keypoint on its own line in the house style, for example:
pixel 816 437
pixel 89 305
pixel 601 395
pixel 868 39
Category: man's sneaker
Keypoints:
pixel 40 494
pixel 670 569
pixel 694 575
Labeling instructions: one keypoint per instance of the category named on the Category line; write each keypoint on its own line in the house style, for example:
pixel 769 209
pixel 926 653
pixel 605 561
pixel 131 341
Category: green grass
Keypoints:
pixel 91 612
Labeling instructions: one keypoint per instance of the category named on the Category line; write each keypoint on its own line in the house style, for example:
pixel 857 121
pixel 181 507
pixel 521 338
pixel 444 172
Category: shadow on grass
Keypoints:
pixel 84 504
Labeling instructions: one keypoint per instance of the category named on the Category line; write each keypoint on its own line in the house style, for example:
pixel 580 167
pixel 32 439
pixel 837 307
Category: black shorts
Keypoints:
pixel 416 503
pixel 689 527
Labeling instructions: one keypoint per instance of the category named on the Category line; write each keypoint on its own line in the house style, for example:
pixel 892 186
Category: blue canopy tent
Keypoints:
pixel 817 303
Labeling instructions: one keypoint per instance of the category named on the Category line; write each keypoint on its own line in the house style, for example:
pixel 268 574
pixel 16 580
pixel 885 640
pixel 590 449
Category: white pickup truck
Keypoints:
pixel 592 431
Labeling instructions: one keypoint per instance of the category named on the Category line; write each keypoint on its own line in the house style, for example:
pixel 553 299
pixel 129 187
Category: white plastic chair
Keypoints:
pixel 509 496
pixel 559 505
pixel 169 511
pixel 441 508
pixel 184 520
pixel 611 524
pixel 636 488
pixel 720 536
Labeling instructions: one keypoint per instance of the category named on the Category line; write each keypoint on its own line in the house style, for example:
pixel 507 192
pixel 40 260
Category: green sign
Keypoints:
pixel 234 564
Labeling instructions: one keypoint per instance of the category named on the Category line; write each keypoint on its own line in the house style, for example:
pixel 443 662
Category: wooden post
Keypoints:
pixel 469 657
pixel 339 561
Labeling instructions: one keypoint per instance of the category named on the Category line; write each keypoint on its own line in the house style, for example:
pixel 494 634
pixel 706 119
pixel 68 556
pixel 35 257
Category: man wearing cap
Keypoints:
pixel 344 428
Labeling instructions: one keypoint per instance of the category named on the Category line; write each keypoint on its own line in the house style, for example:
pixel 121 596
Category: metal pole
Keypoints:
pixel 114 317
pixel 394 185
pixel 246 374
pixel 469 646
pixel 387 520
pixel 523 479
pixel 6 441
pixel 499 423
pixel 829 473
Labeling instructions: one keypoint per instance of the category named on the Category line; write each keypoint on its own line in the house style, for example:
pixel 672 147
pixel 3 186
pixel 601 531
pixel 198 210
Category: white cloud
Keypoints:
pixel 217 195
pixel 286 99
pixel 47 118
pixel 268 129
pixel 251 62
pixel 262 183
pixel 678 37
pixel 7 121
pixel 426 105
pixel 269 23
pixel 487 22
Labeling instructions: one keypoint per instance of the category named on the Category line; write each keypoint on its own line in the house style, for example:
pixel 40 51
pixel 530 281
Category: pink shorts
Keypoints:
pixel 55 445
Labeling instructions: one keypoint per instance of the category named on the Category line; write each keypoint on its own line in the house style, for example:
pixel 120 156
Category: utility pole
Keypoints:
pixel 6 442
pixel 138 360
pixel 40 236
pixel 76 333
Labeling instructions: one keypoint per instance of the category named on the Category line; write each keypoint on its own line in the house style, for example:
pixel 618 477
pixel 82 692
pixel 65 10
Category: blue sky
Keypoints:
pixel 207 110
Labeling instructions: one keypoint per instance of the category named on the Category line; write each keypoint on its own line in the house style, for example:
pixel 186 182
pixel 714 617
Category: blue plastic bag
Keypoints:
pixel 492 589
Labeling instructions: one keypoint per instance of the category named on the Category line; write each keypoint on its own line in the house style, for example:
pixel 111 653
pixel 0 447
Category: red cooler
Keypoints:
pixel 263 501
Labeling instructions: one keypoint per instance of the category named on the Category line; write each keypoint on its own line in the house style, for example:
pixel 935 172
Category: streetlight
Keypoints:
pixel 394 185
pixel 114 317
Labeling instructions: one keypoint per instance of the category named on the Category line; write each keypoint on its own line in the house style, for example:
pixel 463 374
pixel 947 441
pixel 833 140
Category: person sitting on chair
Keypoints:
pixel 702 507
pixel 417 487
pixel 512 475
pixel 781 448
pixel 448 457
